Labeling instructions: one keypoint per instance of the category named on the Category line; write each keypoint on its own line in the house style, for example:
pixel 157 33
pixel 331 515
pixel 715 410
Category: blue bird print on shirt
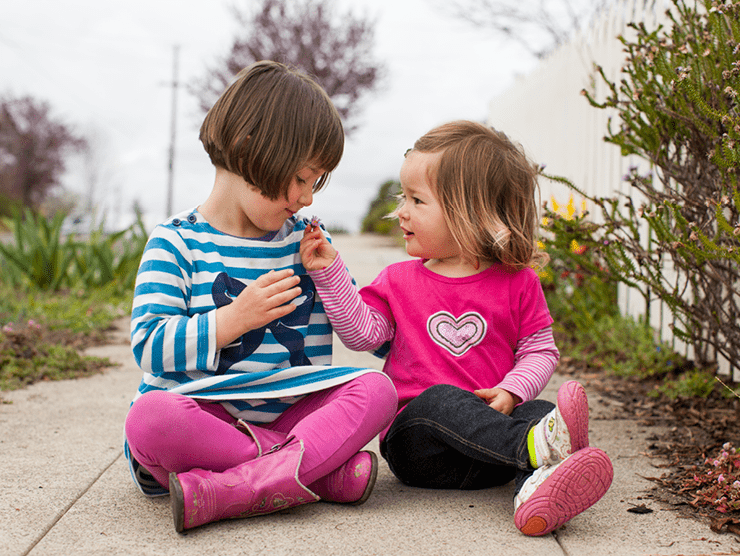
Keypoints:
pixel 225 288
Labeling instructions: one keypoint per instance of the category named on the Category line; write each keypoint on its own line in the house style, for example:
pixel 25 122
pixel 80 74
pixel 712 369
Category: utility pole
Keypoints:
pixel 173 131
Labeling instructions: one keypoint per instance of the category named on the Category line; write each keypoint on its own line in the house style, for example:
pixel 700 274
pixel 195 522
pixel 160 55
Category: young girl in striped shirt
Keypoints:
pixel 239 411
pixel 471 344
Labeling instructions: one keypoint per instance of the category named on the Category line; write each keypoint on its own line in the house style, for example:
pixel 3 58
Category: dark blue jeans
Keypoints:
pixel 450 438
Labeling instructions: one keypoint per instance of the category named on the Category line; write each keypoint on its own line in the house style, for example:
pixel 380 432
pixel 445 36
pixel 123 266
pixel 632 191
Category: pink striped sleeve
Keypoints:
pixel 535 359
pixel 359 326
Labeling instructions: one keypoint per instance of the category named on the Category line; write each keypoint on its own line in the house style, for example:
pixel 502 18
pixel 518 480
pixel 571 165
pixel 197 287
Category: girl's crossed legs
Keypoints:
pixel 173 433
pixel 448 437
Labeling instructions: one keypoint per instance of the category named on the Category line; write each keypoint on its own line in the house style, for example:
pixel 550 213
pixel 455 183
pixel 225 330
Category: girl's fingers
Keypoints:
pixel 274 276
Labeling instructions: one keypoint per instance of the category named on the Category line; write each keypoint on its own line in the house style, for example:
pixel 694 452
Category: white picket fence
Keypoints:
pixel 546 113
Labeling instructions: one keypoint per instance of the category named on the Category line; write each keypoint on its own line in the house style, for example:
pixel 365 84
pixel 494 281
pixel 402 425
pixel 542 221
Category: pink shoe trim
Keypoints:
pixel 573 406
pixel 577 484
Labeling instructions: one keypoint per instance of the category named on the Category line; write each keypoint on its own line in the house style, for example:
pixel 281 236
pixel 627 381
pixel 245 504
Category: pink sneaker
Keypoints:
pixel 351 483
pixel 563 431
pixel 555 494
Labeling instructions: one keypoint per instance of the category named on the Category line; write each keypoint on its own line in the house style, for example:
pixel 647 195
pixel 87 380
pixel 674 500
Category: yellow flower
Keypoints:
pixel 576 248
pixel 555 205
pixel 570 210
pixel 540 246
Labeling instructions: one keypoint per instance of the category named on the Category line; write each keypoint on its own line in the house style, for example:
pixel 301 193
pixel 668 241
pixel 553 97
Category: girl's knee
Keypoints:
pixel 379 389
pixel 153 411
pixel 439 394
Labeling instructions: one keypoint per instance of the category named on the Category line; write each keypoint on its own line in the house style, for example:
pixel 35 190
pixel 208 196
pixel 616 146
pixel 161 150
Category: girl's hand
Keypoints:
pixel 261 302
pixel 316 251
pixel 499 399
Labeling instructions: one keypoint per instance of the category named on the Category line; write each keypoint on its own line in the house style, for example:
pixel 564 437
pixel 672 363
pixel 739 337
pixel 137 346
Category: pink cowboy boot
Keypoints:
pixel 351 483
pixel 261 486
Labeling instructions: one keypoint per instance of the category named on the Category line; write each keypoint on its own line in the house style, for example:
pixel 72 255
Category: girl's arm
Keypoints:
pixel 164 337
pixel 535 359
pixel 359 326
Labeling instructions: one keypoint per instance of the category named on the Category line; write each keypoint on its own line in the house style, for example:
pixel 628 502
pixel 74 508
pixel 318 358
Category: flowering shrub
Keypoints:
pixel 677 109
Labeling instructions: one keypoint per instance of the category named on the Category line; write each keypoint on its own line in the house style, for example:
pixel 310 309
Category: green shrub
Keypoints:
pixel 693 383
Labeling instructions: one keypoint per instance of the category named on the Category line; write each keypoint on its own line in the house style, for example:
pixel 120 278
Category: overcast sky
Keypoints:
pixel 105 68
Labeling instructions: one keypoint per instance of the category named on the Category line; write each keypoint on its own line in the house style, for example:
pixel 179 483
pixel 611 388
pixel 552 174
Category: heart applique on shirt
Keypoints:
pixel 456 335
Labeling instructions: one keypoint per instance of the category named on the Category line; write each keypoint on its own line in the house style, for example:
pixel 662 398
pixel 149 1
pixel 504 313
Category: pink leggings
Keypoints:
pixel 170 432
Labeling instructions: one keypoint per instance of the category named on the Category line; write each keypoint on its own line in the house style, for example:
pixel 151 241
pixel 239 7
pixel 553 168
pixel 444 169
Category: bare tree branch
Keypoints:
pixel 334 48
pixel 538 27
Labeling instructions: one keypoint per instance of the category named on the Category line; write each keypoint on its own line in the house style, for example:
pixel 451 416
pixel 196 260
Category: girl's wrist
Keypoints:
pixel 330 269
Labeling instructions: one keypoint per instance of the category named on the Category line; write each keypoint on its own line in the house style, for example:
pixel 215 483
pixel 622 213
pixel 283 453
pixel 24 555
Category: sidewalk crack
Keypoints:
pixel 64 511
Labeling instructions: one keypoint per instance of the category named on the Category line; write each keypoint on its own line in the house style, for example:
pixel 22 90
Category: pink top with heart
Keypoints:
pixel 459 331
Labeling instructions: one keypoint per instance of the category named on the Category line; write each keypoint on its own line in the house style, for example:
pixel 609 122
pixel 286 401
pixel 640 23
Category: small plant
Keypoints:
pixel 39 252
pixel 110 259
pixel 693 383
pixel 718 481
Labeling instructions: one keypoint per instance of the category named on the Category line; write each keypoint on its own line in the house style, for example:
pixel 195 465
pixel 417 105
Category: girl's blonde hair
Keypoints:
pixel 269 123
pixel 488 189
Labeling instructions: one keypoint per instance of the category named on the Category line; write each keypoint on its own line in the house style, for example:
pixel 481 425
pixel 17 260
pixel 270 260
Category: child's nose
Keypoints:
pixel 301 194
pixel 402 212
pixel 306 196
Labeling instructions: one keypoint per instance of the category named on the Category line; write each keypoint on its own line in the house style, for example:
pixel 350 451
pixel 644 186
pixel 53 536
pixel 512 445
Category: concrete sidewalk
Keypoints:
pixel 66 488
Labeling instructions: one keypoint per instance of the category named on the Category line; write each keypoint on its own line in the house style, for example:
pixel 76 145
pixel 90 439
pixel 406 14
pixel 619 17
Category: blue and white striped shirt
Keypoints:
pixel 188 270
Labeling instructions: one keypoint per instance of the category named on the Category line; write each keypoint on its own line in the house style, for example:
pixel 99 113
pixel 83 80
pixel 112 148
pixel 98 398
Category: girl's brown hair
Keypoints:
pixel 269 123
pixel 488 192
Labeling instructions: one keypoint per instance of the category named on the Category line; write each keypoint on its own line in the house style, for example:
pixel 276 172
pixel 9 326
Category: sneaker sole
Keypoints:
pixel 573 406
pixel 576 485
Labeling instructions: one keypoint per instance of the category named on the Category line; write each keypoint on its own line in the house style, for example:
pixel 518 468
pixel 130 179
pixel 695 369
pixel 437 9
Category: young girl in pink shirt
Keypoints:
pixel 468 333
